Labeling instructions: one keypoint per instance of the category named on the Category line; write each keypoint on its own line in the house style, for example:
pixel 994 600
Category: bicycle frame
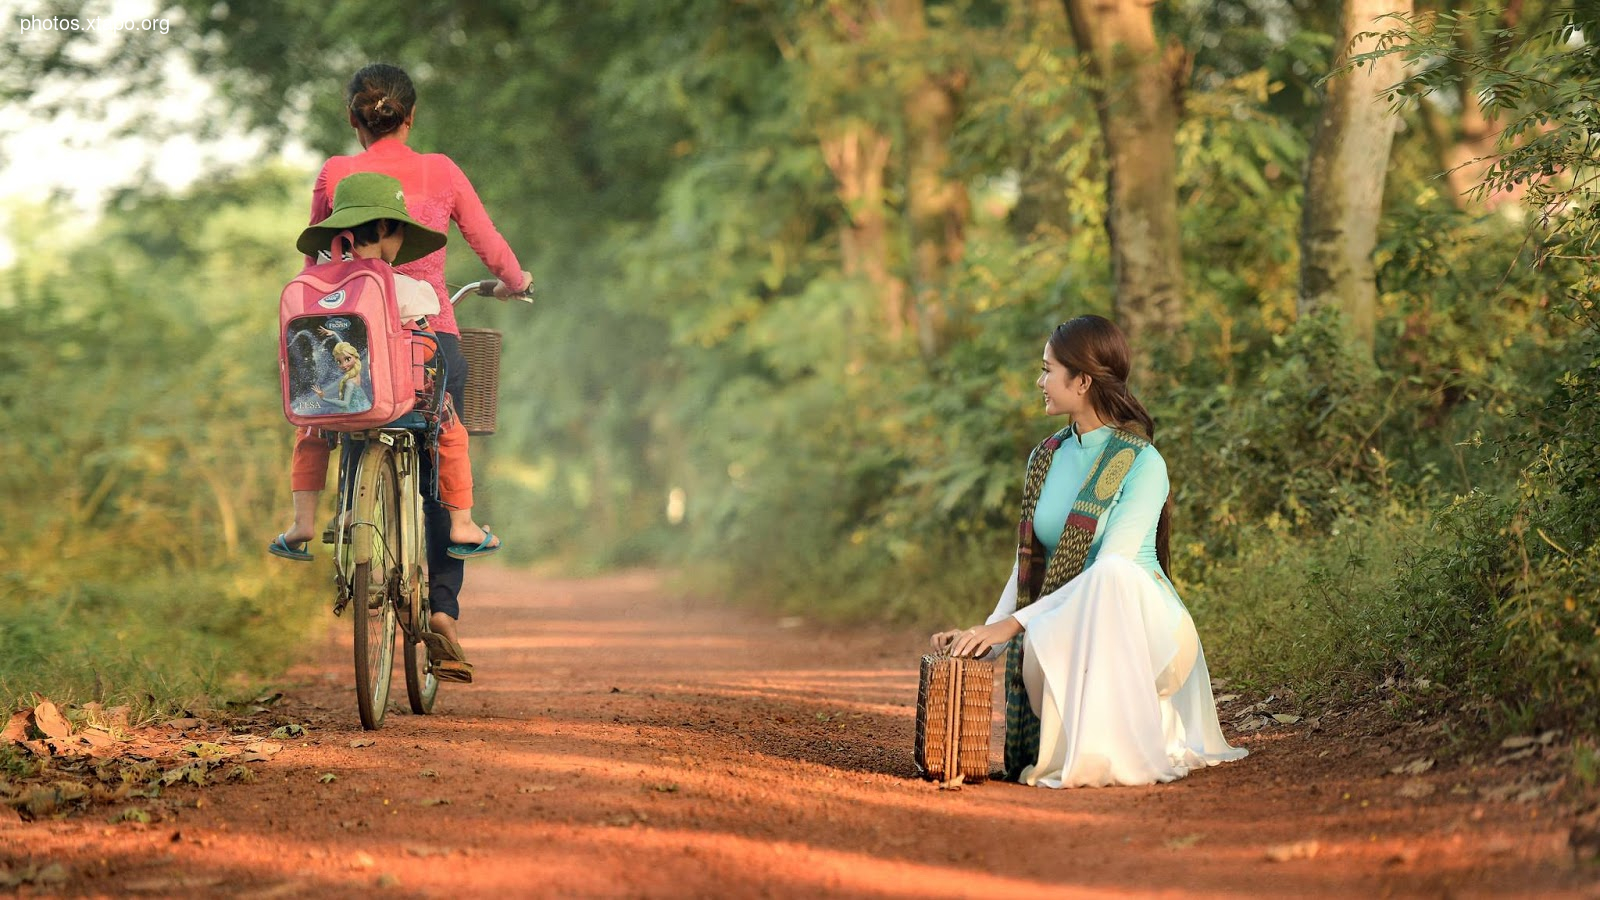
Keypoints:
pixel 381 493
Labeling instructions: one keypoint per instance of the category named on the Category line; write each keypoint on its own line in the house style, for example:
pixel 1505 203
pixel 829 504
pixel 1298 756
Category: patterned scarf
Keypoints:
pixel 1037 577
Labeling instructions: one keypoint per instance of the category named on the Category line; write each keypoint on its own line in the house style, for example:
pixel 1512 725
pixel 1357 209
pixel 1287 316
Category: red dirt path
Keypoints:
pixel 622 741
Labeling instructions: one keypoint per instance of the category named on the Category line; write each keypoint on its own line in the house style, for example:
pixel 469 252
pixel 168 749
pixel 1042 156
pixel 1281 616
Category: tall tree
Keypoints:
pixel 857 155
pixel 936 204
pixel 1345 175
pixel 1138 87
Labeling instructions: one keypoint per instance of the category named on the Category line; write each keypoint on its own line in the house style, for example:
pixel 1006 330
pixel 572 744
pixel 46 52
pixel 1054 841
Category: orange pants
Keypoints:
pixel 309 471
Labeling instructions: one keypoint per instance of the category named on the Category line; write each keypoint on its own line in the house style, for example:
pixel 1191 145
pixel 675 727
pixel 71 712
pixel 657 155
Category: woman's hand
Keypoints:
pixel 941 641
pixel 504 291
pixel 978 641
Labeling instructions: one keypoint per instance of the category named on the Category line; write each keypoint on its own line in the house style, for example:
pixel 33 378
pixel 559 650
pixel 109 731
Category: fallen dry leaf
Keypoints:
pixel 194 772
pixel 1524 753
pixel 1527 795
pixel 1296 850
pixel 362 742
pixel 50 721
pixel 1415 767
pixel 96 738
pixel 260 751
pixel 16 730
pixel 130 814
pixel 1285 718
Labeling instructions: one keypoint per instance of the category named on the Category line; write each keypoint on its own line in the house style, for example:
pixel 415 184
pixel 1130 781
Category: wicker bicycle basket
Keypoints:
pixel 481 347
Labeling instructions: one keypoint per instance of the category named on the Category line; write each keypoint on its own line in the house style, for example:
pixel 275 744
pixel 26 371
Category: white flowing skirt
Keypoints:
pixel 1117 677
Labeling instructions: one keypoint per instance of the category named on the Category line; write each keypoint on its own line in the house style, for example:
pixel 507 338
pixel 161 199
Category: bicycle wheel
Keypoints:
pixel 421 686
pixel 375 539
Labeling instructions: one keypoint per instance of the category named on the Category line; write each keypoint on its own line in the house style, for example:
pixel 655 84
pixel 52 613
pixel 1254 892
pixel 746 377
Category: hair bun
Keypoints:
pixel 381 97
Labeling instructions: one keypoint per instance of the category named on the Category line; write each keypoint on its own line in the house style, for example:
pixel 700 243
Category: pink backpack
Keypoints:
pixel 345 360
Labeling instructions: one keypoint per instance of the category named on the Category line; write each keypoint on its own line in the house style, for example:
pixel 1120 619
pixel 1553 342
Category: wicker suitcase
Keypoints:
pixel 955 701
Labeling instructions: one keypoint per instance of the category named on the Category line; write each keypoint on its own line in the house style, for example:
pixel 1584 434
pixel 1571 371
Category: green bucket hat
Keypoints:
pixel 364 197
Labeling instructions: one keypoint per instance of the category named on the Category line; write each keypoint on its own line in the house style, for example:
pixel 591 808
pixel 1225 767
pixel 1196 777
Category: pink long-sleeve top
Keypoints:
pixel 437 193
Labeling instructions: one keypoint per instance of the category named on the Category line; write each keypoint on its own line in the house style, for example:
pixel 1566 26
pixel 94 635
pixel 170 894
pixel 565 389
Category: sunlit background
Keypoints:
pixel 796 260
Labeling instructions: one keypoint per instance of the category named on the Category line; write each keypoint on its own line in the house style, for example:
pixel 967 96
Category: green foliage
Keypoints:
pixel 1502 591
pixel 702 331
pixel 1294 447
pixel 1300 611
pixel 1533 78
pixel 145 458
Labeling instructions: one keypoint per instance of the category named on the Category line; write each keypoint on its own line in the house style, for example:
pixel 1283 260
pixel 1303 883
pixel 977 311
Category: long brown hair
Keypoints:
pixel 1095 346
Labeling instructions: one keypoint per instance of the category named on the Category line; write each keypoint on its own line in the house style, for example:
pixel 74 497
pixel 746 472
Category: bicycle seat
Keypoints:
pixel 411 421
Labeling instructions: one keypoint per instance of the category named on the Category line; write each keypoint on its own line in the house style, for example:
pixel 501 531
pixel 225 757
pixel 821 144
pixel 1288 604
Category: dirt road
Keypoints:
pixel 623 742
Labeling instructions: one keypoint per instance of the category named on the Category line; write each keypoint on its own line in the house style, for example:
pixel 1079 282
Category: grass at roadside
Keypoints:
pixel 160 644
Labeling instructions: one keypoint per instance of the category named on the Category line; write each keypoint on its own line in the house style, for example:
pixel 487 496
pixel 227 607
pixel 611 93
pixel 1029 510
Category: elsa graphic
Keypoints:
pixel 347 395
pixel 326 370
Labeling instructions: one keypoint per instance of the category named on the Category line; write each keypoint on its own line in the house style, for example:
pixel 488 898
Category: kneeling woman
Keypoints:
pixel 1105 680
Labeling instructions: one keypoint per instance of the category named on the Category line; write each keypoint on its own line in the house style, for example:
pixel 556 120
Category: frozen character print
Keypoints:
pixel 347 393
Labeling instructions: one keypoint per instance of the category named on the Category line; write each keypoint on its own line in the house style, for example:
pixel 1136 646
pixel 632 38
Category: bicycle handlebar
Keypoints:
pixel 485 288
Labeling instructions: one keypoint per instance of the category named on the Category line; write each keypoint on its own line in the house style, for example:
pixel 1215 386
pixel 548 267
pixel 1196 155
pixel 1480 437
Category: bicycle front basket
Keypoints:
pixel 481 347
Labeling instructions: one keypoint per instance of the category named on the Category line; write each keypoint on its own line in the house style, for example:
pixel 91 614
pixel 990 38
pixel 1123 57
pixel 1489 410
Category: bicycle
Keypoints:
pixel 380 559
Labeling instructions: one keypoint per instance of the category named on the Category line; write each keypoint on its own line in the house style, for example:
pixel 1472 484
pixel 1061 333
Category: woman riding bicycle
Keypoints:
pixel 382 108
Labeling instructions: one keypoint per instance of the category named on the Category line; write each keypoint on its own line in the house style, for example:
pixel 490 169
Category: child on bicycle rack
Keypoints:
pixel 371 208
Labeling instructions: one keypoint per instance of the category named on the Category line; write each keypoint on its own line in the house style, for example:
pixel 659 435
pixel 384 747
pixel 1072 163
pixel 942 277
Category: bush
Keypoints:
pixel 1503 591
pixel 146 456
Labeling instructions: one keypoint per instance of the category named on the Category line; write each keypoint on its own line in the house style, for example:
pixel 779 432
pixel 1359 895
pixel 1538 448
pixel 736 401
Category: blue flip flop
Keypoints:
pixel 467 551
pixel 280 547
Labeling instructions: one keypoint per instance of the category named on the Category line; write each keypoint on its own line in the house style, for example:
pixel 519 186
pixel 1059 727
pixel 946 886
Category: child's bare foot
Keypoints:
pixel 471 540
pixel 298 533
pixel 471 533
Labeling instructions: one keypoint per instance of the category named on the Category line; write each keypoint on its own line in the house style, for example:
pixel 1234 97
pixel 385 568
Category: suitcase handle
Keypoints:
pixel 952 716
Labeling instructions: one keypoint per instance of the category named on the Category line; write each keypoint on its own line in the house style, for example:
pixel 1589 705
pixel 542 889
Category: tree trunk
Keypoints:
pixel 936 206
pixel 1137 97
pixel 1467 148
pixel 857 155
pixel 1344 179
